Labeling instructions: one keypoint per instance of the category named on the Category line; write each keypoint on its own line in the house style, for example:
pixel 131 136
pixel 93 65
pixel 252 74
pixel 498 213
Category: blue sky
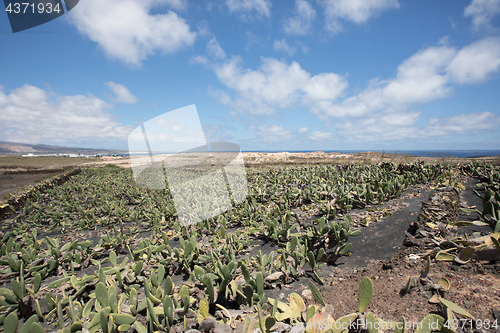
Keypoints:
pixel 267 75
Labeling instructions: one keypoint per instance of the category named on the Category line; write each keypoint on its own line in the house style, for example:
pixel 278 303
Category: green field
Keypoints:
pixel 102 251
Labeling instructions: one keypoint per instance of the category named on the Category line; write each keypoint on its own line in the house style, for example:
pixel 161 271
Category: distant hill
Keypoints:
pixel 14 148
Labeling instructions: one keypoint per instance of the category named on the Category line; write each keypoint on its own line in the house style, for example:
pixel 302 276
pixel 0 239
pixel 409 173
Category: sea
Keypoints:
pixel 415 153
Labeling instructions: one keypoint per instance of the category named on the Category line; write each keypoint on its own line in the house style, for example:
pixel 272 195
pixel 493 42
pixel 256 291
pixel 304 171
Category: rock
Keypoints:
pixel 274 277
pixel 410 241
pixel 496 314
pixel 193 331
pixel 444 189
pixel 196 293
pixel 423 233
pixel 299 328
pixel 468 304
pixel 189 314
pixel 387 266
pixel 224 328
pixel 487 254
pixel 307 294
pixel 280 327
pixel 208 325
pixel 237 314
pixel 176 329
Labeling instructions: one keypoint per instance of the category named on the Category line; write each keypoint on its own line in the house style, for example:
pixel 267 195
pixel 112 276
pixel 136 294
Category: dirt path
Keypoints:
pixel 11 183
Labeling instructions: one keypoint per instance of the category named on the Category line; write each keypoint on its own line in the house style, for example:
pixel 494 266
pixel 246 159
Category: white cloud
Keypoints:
pixel 126 30
pixel 349 107
pixel 382 110
pixel 262 7
pixel 222 96
pixel 217 133
pixel 482 12
pixel 445 41
pixel 426 76
pixel 454 24
pixel 199 60
pixel 203 28
pixel 269 133
pixel 122 94
pixel 32 115
pixel 282 45
pixel 214 49
pixel 320 135
pixel 403 125
pixel 420 78
pixel 251 40
pixel 402 119
pixel 475 62
pixel 324 87
pixel 176 4
pixel 300 23
pixel 381 126
pixel 304 47
pixel 463 124
pixel 357 11
pixel 276 85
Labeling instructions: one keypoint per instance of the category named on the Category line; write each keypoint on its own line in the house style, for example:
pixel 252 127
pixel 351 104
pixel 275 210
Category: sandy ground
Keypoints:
pixel 320 157
pixel 10 183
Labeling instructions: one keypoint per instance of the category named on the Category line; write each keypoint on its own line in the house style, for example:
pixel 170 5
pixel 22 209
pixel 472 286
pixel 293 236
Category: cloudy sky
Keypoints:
pixel 265 74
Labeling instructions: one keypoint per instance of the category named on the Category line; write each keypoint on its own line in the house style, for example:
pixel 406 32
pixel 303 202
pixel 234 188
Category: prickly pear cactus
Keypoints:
pixel 365 294
pixel 317 295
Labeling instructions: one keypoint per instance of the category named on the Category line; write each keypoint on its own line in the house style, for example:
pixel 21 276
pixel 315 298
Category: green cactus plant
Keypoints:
pixel 316 293
pixel 168 310
pixel 10 323
pixel 101 293
pixel 365 294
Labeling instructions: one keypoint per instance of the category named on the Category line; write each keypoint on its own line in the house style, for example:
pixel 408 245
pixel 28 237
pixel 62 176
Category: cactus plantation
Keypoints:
pixel 97 253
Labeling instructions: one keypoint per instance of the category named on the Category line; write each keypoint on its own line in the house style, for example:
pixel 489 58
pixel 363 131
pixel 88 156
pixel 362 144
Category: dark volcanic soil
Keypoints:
pixel 383 239
pixel 390 251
